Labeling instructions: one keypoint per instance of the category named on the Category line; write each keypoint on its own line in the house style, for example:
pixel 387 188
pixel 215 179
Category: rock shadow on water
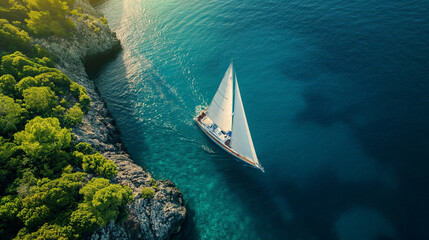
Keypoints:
pixel 189 230
pixel 112 64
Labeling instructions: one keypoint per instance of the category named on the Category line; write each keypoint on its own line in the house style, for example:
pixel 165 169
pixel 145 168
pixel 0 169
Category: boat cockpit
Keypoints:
pixel 216 131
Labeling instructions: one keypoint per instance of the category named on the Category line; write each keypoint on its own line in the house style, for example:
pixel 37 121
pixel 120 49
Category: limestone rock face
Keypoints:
pixel 157 218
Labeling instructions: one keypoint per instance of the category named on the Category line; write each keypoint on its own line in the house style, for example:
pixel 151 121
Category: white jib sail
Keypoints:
pixel 241 141
pixel 220 109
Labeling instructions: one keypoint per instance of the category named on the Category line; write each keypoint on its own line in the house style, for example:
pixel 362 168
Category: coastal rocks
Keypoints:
pixel 156 218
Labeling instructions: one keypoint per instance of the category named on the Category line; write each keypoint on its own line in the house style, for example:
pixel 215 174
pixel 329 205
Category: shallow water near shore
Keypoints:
pixel 336 95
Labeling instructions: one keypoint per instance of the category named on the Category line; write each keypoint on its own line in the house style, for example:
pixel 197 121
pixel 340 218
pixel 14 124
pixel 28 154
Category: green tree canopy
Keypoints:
pixel 99 165
pixel 40 100
pixel 13 64
pixel 73 116
pixel 42 136
pixel 84 148
pixel 20 66
pixel 25 83
pixel 107 201
pixel 49 17
pixel 10 114
pixel 7 85
pixel 102 203
pixel 13 38
pixel 57 81
pixel 46 232
pixel 85 219
pixel 92 187
pixel 13 10
pixel 9 221
pixel 147 193
pixel 8 163
pixel 49 197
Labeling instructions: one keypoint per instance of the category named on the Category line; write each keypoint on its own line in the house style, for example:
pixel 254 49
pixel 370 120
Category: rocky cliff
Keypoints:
pixel 157 218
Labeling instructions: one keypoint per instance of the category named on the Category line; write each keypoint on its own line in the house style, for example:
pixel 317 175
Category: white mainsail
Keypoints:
pixel 241 141
pixel 220 109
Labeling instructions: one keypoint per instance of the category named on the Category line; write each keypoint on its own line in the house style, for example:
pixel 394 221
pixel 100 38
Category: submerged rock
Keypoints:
pixel 156 218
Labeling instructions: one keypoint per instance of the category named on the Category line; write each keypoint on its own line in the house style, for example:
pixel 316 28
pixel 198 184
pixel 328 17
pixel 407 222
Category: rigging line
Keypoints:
pixel 218 104
pixel 221 94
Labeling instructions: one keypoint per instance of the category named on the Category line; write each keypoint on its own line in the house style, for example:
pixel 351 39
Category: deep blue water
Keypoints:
pixel 336 95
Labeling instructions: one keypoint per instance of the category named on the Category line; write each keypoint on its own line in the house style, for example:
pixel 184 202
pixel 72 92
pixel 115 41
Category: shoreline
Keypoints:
pixel 158 218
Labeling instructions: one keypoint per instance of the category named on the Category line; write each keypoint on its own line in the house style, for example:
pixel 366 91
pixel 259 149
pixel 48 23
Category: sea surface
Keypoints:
pixel 336 95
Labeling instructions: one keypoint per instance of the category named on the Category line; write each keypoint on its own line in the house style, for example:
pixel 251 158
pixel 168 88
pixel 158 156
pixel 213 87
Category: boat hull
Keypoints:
pixel 225 147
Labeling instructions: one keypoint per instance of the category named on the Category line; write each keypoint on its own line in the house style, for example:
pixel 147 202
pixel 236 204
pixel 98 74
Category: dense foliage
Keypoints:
pixel 43 195
pixel 147 193
pixel 38 17
pixel 10 113
pixel 49 17
pixel 99 165
pixel 50 186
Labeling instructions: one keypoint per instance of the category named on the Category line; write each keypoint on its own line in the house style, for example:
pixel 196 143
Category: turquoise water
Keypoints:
pixel 336 96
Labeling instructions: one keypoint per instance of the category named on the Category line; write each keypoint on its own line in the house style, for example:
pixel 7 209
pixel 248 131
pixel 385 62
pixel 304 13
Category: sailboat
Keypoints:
pixel 225 123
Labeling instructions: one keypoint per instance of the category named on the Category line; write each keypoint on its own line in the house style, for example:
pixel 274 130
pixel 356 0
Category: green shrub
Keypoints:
pixel 47 18
pixel 84 99
pixel 102 203
pixel 84 102
pixel 12 38
pixel 99 165
pixel 9 221
pixel 7 85
pixel 84 148
pixel 74 90
pixel 13 10
pixel 30 71
pixel 14 63
pixel 148 193
pixel 64 103
pixel 85 219
pixel 46 62
pixel 103 20
pixel 26 83
pixel 9 166
pixel 49 197
pixel 75 12
pixel 47 231
pixel 57 81
pixel 10 114
pixel 73 116
pixel 153 183
pixel 109 200
pixel 80 93
pixel 40 100
pixel 59 112
pixel 43 136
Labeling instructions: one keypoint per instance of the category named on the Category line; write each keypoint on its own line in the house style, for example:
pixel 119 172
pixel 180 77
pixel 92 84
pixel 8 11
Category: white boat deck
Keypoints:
pixel 220 137
pixel 214 129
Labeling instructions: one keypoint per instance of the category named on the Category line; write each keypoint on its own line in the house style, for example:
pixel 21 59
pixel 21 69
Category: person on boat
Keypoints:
pixel 228 142
pixel 201 116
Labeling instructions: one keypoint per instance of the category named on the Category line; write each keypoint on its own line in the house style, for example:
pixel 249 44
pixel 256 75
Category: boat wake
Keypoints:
pixel 208 149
